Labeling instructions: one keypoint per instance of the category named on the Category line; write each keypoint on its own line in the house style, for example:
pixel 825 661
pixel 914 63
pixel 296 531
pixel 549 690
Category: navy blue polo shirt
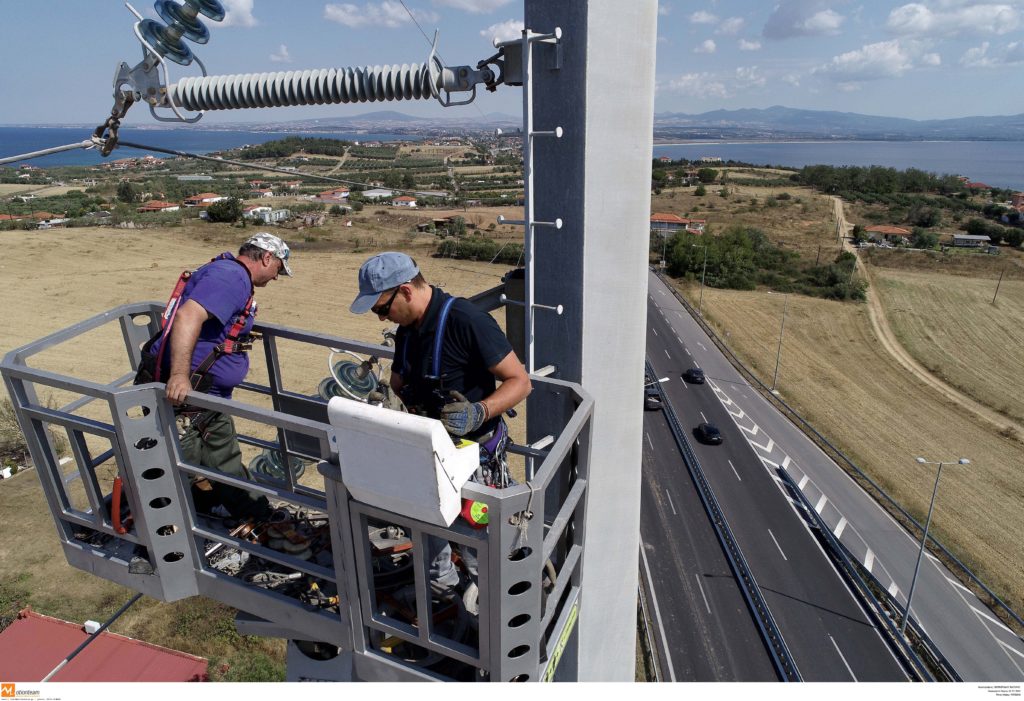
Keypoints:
pixel 473 342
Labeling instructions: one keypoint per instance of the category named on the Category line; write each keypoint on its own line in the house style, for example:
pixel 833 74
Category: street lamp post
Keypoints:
pixel 924 537
pixel 703 273
pixel 778 354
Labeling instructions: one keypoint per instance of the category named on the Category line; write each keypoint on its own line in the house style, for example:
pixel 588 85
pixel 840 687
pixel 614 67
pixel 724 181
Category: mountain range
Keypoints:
pixel 754 124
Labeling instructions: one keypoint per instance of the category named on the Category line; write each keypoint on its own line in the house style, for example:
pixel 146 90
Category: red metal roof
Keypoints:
pixel 890 230
pixel 667 218
pixel 34 644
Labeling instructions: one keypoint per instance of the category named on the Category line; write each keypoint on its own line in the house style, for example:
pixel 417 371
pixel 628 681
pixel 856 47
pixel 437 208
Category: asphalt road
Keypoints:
pixel 703 627
pixel 828 634
pixel 975 643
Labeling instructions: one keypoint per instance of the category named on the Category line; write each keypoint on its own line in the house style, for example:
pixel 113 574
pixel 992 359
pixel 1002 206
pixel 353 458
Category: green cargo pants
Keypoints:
pixel 210 440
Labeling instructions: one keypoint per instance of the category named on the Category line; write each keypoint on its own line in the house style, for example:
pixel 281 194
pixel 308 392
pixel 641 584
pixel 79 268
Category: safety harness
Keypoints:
pixel 233 341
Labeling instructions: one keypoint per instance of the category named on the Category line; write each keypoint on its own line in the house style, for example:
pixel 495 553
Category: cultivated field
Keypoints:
pixel 836 374
pixel 58 277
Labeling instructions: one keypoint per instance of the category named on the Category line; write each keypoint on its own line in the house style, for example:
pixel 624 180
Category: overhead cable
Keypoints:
pixel 88 143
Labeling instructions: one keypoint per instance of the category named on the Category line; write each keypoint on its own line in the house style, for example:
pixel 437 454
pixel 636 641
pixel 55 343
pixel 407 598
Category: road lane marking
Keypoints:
pixel 734 470
pixel 648 436
pixel 840 527
pixel 684 383
pixel 777 545
pixel 840 653
pixel 766 448
pixel 752 431
pixel 701 345
pixel 991 618
pixel 697 365
pixel 667 355
pixel 785 463
pixel 869 560
pixel 821 503
pixel 1012 649
pixel 654 331
pixel 804 480
pixel 703 418
pixel 701 587
pixel 688 352
pixel 955 583
pixel 657 613
pixel 679 339
pixel 673 506
pixel 893 590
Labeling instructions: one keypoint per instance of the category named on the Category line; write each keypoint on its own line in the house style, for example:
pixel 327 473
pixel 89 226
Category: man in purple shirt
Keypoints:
pixel 215 304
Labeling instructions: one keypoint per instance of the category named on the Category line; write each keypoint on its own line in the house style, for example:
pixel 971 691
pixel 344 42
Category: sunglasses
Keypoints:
pixel 385 309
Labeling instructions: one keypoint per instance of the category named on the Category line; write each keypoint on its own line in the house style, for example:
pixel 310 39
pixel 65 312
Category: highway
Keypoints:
pixel 828 634
pixel 702 626
pixel 760 441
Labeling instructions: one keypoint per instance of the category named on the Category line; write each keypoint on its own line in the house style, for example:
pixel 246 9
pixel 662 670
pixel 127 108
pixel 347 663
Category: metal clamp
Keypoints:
pixel 558 309
pixel 556 224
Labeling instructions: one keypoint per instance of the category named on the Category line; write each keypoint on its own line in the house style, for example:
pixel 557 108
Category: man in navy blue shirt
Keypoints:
pixel 453 378
pixel 216 302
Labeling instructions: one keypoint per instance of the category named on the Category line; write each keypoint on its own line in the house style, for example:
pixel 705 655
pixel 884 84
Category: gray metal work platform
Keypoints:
pixel 361 587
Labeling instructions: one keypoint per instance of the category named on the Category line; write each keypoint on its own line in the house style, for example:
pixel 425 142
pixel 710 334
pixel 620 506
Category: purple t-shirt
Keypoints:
pixel 222 287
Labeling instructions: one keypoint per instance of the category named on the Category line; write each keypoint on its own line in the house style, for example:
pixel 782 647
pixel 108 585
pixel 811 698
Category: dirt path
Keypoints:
pixel 892 346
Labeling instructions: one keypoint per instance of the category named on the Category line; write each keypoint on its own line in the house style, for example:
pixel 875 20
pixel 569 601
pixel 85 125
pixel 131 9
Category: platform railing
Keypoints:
pixel 529 556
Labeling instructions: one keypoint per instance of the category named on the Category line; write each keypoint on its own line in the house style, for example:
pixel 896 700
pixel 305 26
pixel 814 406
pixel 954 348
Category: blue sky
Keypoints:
pixel 924 59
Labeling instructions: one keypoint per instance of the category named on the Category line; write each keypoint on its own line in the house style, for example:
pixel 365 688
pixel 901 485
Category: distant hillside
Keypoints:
pixel 786 122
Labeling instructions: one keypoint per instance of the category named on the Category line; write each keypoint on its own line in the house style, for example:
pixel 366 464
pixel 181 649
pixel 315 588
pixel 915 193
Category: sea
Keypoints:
pixel 995 163
pixel 17 140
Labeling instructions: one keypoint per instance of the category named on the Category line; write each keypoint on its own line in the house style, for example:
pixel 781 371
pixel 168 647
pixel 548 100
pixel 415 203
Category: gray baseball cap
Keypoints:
pixel 382 272
pixel 269 242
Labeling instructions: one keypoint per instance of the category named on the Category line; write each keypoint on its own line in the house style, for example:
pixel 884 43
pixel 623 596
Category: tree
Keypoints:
pixel 1014 237
pixel 229 210
pixel 700 191
pixel 859 236
pixel 707 175
pixel 126 192
pixel 923 239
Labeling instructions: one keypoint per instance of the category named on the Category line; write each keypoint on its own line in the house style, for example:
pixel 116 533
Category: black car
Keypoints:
pixel 652 398
pixel 694 375
pixel 708 433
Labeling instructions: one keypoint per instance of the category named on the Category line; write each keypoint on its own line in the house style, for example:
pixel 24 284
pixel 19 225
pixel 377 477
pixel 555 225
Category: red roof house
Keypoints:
pixel 33 645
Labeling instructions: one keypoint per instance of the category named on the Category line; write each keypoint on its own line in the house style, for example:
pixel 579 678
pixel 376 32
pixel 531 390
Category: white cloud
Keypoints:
pixel 664 9
pixel 791 79
pixel 475 6
pixel 698 85
pixel 750 77
pixel 984 19
pixel 884 59
pixel 702 17
pixel 932 59
pixel 281 55
pixel 978 57
pixel 388 13
pixel 705 47
pixel 731 26
pixel 504 31
pixel 795 18
pixel 749 45
pixel 238 14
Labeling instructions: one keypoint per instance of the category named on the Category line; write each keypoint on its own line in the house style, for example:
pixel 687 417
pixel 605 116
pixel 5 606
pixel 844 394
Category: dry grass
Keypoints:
pixel 835 373
pixel 802 223
pixel 7 189
pixel 58 277
pixel 950 326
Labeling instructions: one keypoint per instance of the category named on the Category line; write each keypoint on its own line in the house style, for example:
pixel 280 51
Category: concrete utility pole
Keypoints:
pixel 596 178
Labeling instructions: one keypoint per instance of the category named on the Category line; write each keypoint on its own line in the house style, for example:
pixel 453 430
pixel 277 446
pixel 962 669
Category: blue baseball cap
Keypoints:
pixel 382 272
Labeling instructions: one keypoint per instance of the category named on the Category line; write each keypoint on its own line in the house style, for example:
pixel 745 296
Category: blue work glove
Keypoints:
pixel 463 416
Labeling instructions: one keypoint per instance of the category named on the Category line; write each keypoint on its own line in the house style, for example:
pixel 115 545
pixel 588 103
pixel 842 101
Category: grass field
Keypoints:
pixel 801 223
pixel 834 372
pixel 43 293
pixel 950 326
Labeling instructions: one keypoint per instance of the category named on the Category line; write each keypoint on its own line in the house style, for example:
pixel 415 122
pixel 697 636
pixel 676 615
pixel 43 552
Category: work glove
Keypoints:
pixel 462 416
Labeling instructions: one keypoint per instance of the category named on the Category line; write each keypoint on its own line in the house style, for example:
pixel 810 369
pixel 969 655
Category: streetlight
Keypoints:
pixel 700 304
pixel 924 537
pixel 778 354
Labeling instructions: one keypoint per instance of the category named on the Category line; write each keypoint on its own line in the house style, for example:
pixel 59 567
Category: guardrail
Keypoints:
pixel 782 659
pixel 828 447
pixel 328 568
